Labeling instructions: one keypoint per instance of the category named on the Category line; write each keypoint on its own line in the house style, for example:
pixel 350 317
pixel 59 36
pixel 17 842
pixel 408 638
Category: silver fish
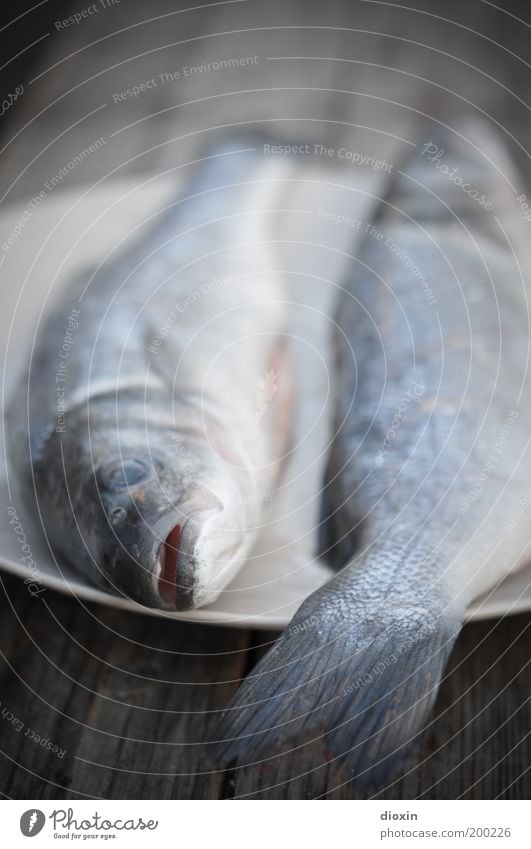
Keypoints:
pixel 158 393
pixel 429 462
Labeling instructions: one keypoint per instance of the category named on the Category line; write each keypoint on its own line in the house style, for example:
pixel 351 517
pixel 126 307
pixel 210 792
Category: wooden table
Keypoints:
pixel 130 699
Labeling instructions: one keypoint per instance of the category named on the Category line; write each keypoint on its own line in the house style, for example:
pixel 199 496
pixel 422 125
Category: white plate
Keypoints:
pixel 70 230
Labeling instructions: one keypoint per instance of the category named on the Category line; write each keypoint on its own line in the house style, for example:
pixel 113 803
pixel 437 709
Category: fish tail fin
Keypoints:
pixel 358 684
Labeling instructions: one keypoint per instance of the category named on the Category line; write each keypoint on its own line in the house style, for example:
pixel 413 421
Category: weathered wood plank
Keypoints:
pixel 131 699
pixel 363 64
pixel 127 697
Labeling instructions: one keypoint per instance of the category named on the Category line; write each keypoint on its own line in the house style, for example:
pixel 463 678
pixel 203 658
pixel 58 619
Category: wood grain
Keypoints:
pixel 131 699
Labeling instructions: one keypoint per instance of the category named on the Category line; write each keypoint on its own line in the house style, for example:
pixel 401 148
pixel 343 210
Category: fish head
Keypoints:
pixel 158 514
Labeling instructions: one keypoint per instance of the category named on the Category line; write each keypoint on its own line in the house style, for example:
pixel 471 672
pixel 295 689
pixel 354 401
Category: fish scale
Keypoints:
pixel 409 555
pixel 154 481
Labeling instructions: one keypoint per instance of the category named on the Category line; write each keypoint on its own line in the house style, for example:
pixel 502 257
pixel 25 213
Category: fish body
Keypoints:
pixel 155 403
pixel 429 459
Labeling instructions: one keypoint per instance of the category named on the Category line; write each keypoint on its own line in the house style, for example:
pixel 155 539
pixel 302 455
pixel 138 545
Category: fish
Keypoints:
pixel 428 462
pixel 150 429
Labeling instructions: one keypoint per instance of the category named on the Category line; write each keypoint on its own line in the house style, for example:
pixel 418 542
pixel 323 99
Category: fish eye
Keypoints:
pixel 124 472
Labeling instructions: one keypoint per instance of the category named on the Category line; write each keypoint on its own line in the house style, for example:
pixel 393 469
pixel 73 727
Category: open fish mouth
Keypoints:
pixel 192 561
pixel 183 560
pixel 168 557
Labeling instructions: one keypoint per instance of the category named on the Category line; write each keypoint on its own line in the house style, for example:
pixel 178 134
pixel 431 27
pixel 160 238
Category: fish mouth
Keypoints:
pixel 184 562
pixel 187 559
pixel 168 556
